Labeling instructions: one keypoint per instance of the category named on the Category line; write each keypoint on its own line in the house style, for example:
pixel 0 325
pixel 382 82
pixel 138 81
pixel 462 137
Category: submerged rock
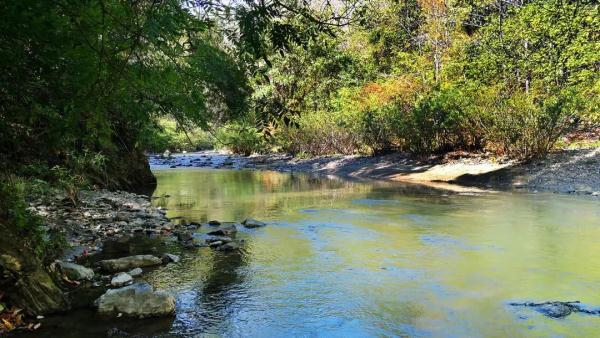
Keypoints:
pixel 214 223
pixel 137 300
pixel 121 279
pixel 75 271
pixel 224 231
pixel 557 309
pixel 252 223
pixel 127 263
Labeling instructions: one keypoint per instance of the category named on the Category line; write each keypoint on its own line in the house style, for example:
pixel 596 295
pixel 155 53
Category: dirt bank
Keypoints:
pixel 568 171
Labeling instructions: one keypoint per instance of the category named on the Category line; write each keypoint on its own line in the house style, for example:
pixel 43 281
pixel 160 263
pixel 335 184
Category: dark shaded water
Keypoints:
pixel 343 258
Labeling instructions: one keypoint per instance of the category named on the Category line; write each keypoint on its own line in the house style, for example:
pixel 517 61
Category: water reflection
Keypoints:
pixel 342 258
pixel 369 259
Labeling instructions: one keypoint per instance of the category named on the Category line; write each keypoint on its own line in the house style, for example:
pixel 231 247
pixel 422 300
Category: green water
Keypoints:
pixel 363 259
pixel 342 258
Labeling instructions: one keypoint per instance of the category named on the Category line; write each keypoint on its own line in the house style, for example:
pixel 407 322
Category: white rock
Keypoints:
pixel 121 279
pixel 135 272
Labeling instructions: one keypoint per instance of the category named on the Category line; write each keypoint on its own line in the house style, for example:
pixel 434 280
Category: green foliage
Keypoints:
pixel 441 121
pixel 241 138
pixel 406 76
pixel 524 127
pixel 317 133
pixel 15 217
pixel 167 134
pixel 93 76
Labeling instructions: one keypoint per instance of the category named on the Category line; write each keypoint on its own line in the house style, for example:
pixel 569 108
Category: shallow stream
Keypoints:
pixel 343 258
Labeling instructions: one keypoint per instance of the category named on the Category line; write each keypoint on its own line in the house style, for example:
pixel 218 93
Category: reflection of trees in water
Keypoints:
pixel 235 195
pixel 221 289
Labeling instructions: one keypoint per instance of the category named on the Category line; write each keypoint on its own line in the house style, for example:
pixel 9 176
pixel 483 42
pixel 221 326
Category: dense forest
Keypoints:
pixel 87 87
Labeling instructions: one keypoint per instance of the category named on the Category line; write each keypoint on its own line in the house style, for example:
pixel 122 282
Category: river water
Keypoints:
pixel 343 258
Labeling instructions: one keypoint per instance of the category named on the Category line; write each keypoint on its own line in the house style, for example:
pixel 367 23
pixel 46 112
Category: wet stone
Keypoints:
pixel 224 231
pixel 252 223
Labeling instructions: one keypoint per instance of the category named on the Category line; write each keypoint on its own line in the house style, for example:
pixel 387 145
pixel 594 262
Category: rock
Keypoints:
pixel 223 239
pixel 215 244
pixel 184 236
pixel 75 271
pixel 122 216
pixel 555 310
pixel 252 223
pixel 135 272
pixel 127 263
pixel 167 154
pixel 228 247
pixel 224 231
pixel 121 279
pixel 138 300
pixel 170 258
pixel 214 223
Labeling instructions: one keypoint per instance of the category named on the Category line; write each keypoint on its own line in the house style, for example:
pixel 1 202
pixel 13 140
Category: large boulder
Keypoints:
pixel 75 271
pixel 128 263
pixel 137 300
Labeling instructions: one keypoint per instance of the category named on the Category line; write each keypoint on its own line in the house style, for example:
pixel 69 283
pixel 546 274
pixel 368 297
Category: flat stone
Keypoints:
pixel 223 239
pixel 215 244
pixel 137 300
pixel 224 231
pixel 252 223
pixel 128 263
pixel 121 279
pixel 75 271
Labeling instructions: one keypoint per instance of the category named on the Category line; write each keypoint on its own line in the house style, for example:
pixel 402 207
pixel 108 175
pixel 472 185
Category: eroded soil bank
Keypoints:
pixel 568 171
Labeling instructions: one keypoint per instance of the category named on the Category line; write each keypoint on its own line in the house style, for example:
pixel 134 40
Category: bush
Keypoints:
pixel 441 121
pixel 379 127
pixel 241 138
pixel 317 133
pixel 15 218
pixel 525 127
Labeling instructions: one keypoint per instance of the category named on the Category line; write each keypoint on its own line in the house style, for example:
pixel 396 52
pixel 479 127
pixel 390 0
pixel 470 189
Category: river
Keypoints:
pixel 347 258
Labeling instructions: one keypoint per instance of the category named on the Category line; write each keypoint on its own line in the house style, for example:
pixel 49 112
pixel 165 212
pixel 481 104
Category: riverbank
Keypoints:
pixel 112 240
pixel 566 171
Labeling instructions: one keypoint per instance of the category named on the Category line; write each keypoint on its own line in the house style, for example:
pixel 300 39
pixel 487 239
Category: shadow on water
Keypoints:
pixel 209 308
pixel 87 323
